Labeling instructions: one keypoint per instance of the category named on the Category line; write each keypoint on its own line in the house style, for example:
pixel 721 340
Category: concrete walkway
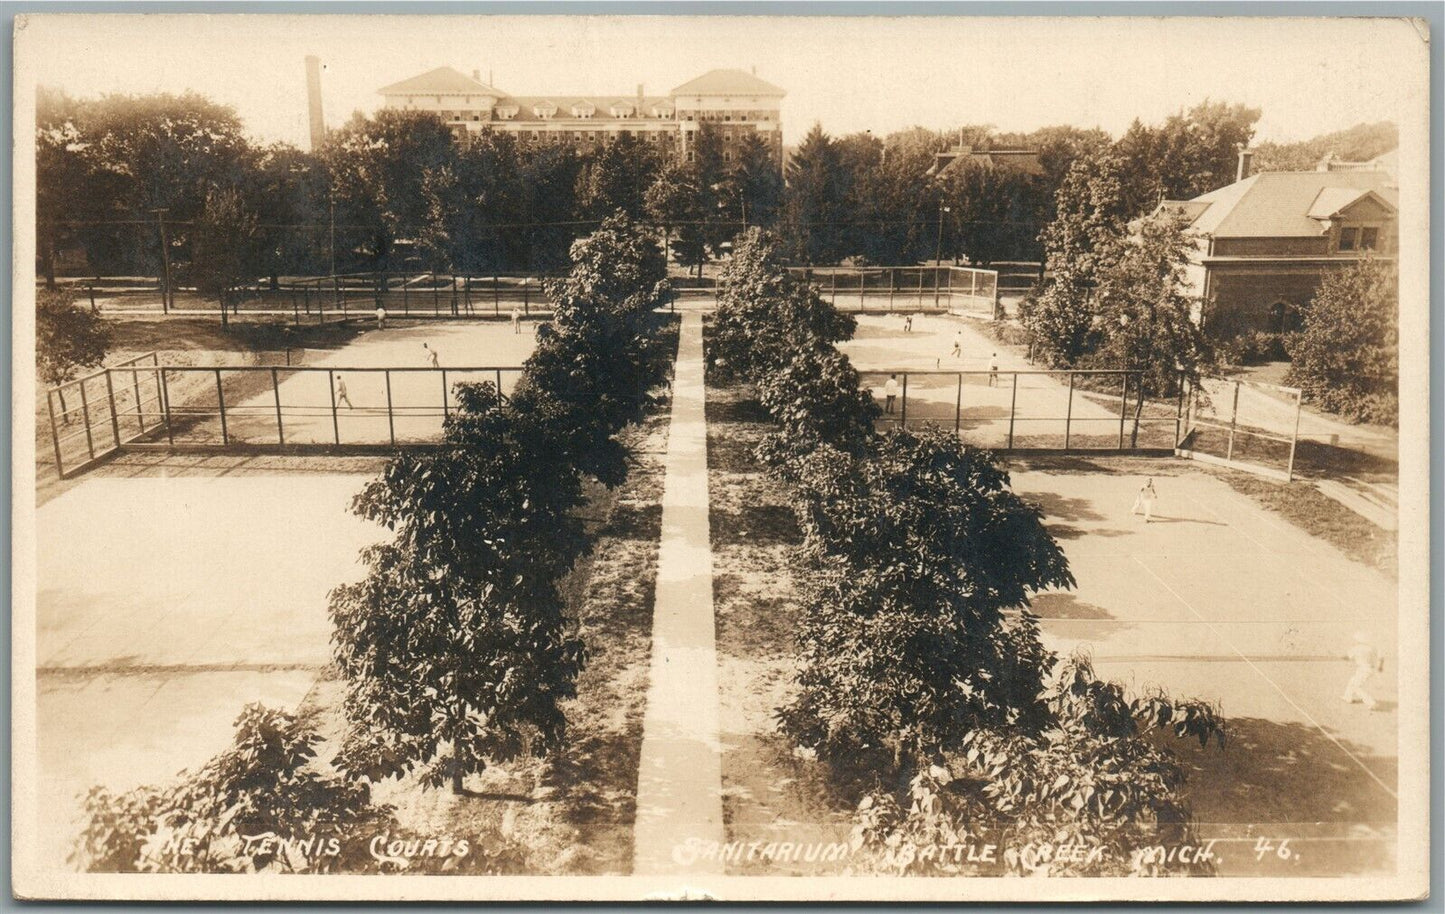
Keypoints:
pixel 679 781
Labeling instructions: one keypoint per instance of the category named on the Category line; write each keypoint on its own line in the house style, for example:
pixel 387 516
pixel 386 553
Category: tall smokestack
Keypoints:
pixel 313 101
pixel 639 93
pixel 477 75
pixel 1246 157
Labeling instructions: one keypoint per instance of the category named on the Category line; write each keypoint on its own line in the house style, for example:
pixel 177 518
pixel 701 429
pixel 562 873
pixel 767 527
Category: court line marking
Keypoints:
pixel 1283 694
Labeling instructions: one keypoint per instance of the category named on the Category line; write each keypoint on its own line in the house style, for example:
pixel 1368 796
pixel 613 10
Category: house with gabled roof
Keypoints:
pixel 1265 242
pixel 738 102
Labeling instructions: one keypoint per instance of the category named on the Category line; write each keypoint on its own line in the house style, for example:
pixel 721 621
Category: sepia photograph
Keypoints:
pixel 720 457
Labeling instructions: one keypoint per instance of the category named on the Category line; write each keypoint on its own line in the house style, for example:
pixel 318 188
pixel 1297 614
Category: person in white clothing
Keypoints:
pixel 516 319
pixel 380 317
pixel 890 393
pixel 341 394
pixel 431 356
pixel 1145 500
pixel 1367 662
pixel 993 370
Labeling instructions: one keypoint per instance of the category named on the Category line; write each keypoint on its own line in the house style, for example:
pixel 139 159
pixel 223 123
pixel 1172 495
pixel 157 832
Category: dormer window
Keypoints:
pixel 661 111
pixel 507 112
pixel 544 111
pixel 583 109
pixel 621 109
pixel 1369 238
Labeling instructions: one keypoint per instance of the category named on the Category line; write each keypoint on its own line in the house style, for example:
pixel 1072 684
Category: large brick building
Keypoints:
pixel 737 102
pixel 1266 241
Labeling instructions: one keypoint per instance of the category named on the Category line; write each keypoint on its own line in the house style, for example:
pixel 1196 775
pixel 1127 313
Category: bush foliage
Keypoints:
pixel 1346 357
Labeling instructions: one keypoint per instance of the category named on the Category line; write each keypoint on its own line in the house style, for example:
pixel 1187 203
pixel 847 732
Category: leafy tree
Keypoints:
pixel 265 784
pixel 223 246
pixel 814 204
pixel 1191 153
pixel 1145 322
pixel 996 210
pixel 64 173
pixel 1091 219
pixel 755 185
pixel 675 200
pixel 1346 358
pixel 1094 777
pixel 916 551
pixel 287 189
pixel 616 176
pixel 1359 143
pixel 67 338
pixel 455 647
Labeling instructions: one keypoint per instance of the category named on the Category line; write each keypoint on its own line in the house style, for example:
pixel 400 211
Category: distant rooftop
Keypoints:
pixel 441 81
pixel 1024 160
pixel 728 82
pixel 1283 204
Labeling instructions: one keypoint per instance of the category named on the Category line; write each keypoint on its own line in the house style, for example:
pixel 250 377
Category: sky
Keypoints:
pixel 1310 76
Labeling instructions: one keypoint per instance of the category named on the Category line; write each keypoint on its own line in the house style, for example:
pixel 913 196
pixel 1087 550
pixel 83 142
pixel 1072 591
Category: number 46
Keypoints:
pixel 1281 850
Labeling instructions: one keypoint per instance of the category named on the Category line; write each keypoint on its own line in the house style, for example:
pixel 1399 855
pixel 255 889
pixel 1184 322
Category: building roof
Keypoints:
pixel 1284 204
pixel 441 81
pixel 1024 160
pixel 728 82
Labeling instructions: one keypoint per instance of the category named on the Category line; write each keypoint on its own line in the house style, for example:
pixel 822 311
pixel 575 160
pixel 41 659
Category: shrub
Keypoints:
pixel 1346 356
pixel 1094 778
pixel 1258 347
pixel 266 783
pixel 67 338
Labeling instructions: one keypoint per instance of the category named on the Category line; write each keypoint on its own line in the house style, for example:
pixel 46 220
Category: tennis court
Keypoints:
pixel 1217 599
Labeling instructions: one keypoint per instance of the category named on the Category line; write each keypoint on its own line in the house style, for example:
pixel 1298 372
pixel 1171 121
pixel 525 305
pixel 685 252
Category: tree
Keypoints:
pixel 675 200
pixel 455 647
pixel 616 176
pixel 915 552
pixel 996 210
pixel 1191 153
pixel 815 199
pixel 1146 324
pixel 1091 216
pixel 1359 143
pixel 1346 357
pixel 223 245
pixel 67 338
pixel 266 784
pixel 755 185
pixel 63 176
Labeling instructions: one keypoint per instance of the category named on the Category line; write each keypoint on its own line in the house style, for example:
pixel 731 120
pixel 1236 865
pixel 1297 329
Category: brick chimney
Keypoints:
pixel 1246 158
pixel 313 101
pixel 477 75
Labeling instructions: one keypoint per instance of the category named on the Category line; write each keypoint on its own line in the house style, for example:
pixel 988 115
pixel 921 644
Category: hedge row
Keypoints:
pixel 920 665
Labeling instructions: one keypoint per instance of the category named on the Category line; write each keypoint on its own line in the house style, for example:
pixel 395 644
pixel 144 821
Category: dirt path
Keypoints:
pixel 679 789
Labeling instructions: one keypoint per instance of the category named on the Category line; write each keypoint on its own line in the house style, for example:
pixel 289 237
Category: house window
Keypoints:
pixel 727 155
pixel 1348 238
pixel 1369 238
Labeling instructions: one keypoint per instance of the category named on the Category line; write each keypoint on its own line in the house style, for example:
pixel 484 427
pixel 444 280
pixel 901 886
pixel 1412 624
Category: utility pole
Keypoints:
pixel 331 196
pixel 167 292
pixel 938 250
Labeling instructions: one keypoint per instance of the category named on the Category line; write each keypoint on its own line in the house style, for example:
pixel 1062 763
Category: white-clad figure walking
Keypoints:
pixel 341 395
pixel 1367 662
pixel 431 355
pixel 380 317
pixel 1145 500
pixel 516 319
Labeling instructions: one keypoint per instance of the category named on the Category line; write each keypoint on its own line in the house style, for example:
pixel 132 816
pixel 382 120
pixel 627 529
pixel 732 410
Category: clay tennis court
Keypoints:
pixel 1217 599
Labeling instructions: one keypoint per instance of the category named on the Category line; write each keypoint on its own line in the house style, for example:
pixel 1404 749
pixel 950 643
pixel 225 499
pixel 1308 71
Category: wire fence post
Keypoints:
pixel 445 406
pixel 331 389
pixel 1013 408
pixel 903 415
pixel 276 392
pixel 892 281
pixel 1294 439
pixel 54 433
pixel 1123 408
pixel 1069 413
pixel 1233 422
pixel 390 417
pixel 166 407
pixel 958 406
pixel 140 414
pixel 1179 413
pixel 110 398
pixel 221 407
pixel 85 417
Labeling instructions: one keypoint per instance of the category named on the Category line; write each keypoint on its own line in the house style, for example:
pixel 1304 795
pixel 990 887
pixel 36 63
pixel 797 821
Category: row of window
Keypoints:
pixel 721 117
pixel 1359 239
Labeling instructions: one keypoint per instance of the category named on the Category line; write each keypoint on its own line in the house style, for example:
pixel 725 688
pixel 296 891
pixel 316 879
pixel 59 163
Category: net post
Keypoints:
pixel 1069 413
pixel 1233 422
pixel 1179 413
pixel 892 281
pixel 221 406
pixel 276 392
pixel 1012 407
pixel 446 412
pixel 390 413
pixel 54 433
